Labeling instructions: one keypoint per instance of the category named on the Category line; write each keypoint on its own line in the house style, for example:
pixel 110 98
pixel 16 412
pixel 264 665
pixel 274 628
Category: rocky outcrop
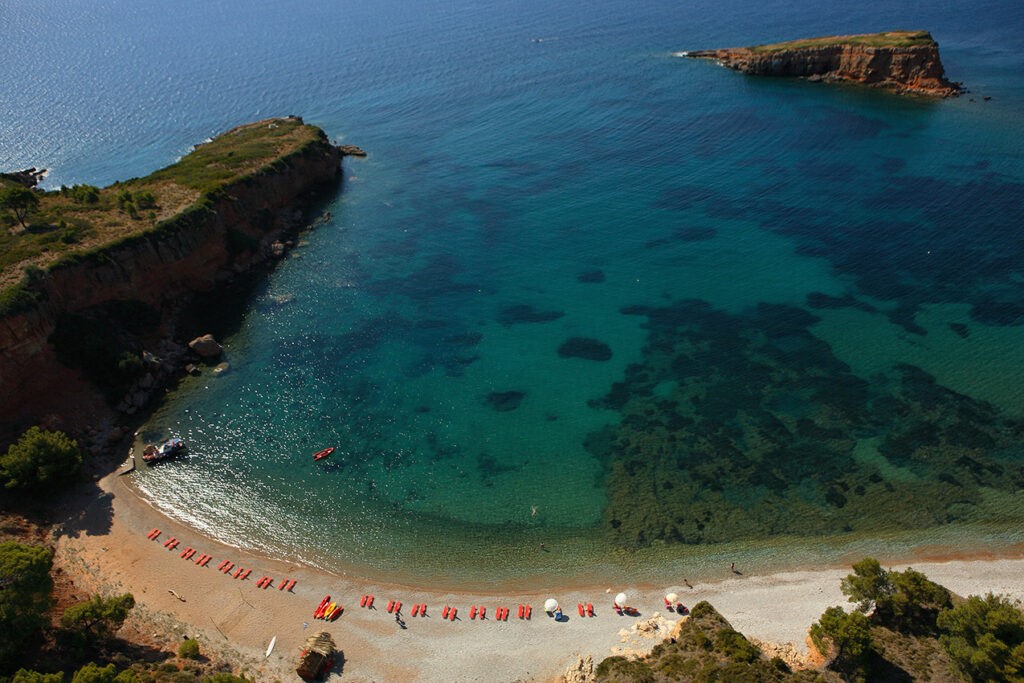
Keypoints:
pixel 229 231
pixel 910 64
pixel 206 346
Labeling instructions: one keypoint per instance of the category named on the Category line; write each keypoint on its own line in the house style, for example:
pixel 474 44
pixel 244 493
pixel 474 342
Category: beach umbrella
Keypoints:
pixel 671 597
pixel 620 599
pixel 550 605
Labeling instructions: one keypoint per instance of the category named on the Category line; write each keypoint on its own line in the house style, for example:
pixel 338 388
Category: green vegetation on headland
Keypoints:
pixel 904 628
pixel 38 228
pixel 35 647
pixel 894 39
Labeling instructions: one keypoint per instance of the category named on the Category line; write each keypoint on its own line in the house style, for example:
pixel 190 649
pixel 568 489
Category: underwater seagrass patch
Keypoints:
pixel 745 425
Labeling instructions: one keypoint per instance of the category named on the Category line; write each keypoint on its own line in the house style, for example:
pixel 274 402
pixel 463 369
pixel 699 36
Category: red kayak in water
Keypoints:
pixel 320 455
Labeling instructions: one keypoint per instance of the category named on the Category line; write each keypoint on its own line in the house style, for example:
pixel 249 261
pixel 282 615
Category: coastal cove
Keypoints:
pixel 589 317
pixel 234 618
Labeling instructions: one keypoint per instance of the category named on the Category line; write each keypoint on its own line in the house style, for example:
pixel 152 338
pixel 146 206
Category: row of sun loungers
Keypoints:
pixel 393 606
pixel 226 567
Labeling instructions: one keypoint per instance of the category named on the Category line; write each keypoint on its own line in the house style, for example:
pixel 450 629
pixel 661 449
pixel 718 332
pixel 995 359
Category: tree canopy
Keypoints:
pixel 93 673
pixel 985 638
pixel 40 459
pixel 98 616
pixel 26 676
pixel 20 200
pixel 25 586
pixel 846 636
pixel 906 601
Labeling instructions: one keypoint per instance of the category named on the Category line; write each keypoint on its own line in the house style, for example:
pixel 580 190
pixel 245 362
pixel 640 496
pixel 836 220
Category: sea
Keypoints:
pixel 589 310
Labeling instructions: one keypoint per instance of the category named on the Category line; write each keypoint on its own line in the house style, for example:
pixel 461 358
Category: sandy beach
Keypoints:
pixel 105 549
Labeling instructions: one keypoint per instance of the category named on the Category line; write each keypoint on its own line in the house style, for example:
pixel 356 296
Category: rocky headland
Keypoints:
pixel 905 62
pixel 88 325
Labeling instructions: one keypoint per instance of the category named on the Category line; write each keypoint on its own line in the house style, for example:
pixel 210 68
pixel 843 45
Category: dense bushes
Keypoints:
pixel 905 601
pixel 40 460
pixel 985 638
pixel 847 637
pixel 98 616
pixel 189 649
pixel 24 595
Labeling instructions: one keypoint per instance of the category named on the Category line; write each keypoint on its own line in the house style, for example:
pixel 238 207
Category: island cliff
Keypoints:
pixel 901 61
pixel 91 326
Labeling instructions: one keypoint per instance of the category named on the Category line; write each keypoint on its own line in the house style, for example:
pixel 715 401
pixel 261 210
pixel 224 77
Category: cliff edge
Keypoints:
pixel 905 62
pixel 104 273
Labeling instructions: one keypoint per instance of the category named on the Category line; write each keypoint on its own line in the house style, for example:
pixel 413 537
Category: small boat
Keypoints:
pixel 320 455
pixel 270 648
pixel 168 449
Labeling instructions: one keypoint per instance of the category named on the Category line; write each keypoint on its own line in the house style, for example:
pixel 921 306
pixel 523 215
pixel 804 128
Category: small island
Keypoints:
pixel 905 62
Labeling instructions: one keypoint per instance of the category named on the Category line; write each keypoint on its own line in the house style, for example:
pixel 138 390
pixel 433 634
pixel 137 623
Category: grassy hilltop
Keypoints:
pixel 82 218
pixel 894 39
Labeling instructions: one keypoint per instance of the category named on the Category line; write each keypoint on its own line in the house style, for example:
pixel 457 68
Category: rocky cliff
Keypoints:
pixel 901 61
pixel 230 229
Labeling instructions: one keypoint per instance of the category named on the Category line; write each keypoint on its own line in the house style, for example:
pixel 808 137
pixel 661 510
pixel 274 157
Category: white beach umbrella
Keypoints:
pixel 550 605
pixel 671 597
pixel 620 599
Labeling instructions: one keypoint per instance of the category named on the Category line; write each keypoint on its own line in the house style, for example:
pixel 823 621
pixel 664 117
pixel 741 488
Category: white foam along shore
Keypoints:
pixel 233 616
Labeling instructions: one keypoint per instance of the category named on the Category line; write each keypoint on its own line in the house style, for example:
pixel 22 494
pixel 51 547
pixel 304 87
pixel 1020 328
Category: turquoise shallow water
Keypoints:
pixel 803 302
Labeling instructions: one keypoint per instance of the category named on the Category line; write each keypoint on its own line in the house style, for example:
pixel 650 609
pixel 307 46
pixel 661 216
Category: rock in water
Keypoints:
pixel 206 346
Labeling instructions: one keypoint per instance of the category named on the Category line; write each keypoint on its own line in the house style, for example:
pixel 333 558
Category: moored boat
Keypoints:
pixel 167 449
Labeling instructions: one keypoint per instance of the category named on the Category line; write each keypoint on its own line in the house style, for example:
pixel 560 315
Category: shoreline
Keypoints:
pixel 104 549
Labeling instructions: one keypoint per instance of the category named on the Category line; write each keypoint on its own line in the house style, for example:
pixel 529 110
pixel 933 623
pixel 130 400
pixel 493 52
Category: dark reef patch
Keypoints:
pixel 1001 313
pixel 906 240
pixel 586 348
pixel 684 234
pixel 591 276
pixel 821 300
pixel 434 280
pixel 960 330
pixel 747 425
pixel 504 401
pixel 524 313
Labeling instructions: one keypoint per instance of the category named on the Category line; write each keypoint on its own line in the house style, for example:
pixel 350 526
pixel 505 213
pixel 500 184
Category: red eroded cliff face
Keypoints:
pixel 913 69
pixel 187 254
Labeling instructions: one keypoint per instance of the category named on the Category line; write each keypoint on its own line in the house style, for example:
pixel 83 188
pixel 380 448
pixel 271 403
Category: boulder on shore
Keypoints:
pixel 206 346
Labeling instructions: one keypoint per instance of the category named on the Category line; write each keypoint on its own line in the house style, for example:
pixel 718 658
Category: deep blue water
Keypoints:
pixel 810 295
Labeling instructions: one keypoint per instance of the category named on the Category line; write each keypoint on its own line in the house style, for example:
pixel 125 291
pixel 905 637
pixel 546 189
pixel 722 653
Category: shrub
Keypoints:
pixel 98 616
pixel 40 460
pixel 93 673
pixel 620 668
pixel 144 199
pixel 732 644
pixel 24 676
pixel 83 194
pixel 189 649
pixel 24 595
